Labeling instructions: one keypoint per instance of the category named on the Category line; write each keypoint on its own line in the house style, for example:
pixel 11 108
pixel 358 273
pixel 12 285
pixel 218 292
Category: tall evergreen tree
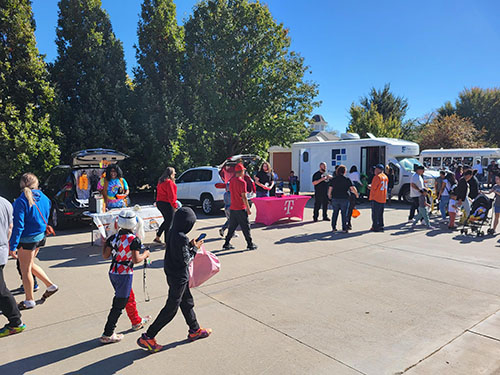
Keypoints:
pixel 247 89
pixel 90 78
pixel 26 96
pixel 158 88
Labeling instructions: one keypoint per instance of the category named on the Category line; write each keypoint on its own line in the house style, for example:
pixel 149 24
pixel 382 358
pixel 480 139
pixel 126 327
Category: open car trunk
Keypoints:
pixel 96 158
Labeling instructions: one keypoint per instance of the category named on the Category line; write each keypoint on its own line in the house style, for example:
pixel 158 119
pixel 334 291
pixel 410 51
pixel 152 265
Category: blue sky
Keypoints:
pixel 427 50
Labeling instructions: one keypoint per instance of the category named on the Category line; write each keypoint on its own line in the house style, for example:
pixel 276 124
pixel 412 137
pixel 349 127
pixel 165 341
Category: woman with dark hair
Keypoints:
pixel 114 187
pixel 444 193
pixel 264 180
pixel 166 201
pixel 340 189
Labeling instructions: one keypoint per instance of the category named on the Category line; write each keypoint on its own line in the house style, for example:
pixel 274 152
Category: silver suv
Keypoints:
pixel 201 186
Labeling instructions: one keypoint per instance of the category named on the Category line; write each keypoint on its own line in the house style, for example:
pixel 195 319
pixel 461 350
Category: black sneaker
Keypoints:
pixel 228 247
pixel 252 247
pixel 326 219
pixel 315 220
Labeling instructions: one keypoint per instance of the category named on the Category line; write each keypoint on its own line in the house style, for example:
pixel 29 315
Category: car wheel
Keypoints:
pixel 207 204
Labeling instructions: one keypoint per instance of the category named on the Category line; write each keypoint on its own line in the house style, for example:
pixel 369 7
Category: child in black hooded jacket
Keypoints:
pixel 179 253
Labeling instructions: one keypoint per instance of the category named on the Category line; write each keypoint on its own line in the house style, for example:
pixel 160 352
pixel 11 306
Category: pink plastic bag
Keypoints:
pixel 203 267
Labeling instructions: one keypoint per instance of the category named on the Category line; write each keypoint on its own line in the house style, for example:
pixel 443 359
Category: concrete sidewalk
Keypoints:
pixel 305 302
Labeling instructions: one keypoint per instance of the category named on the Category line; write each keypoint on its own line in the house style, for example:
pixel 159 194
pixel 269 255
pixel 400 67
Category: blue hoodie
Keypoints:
pixel 28 222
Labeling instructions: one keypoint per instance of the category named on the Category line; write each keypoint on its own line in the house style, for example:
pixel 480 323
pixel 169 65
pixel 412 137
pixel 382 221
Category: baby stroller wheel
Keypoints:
pixel 491 231
pixel 462 231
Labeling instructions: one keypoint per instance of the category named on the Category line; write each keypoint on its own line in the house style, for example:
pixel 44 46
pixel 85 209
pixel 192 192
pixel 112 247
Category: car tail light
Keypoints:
pixel 220 185
pixel 68 213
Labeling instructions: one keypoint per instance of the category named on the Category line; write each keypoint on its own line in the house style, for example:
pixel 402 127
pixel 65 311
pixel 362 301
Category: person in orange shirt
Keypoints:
pixel 378 196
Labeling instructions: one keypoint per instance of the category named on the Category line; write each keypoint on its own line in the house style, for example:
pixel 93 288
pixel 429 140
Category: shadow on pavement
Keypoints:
pixel 34 362
pixel 116 363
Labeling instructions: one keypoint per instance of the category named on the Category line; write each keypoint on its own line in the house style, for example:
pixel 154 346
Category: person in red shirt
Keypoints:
pixel 378 196
pixel 166 201
pixel 239 209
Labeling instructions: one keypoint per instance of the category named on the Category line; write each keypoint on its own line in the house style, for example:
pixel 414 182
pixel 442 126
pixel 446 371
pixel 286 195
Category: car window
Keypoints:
pixel 188 176
pixel 204 175
pixel 57 179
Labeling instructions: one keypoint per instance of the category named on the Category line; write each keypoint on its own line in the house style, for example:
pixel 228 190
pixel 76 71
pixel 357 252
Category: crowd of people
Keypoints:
pixel 453 192
pixel 24 227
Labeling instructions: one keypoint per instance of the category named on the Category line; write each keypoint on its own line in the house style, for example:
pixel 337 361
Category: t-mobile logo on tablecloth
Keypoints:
pixel 288 207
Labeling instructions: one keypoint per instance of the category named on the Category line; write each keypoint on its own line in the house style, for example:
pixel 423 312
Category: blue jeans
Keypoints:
pixel 341 205
pixel 443 205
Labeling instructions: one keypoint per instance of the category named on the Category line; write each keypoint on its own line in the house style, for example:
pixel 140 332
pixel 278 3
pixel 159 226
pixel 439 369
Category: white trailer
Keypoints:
pixel 364 154
pixel 448 158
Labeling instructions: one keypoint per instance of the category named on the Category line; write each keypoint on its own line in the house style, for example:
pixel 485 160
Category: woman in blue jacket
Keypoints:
pixel 31 212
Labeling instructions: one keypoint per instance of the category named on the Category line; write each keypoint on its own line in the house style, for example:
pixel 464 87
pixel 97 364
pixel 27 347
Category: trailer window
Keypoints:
pixel 305 157
pixel 447 162
pixel 457 160
pixel 468 161
pixel 485 162
pixel 436 162
pixel 427 162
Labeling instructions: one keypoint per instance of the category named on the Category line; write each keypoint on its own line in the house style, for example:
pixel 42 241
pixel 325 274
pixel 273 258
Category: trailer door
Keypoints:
pixel 371 156
pixel 305 176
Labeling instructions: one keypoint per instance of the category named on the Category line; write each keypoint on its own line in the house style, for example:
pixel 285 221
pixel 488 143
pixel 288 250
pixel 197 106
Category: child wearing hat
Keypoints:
pixel 124 248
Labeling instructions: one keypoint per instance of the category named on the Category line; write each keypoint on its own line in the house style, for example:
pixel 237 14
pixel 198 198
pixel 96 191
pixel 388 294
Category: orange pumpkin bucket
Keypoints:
pixel 355 213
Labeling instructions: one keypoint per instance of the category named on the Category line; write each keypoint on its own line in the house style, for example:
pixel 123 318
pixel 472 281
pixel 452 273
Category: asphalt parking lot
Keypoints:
pixel 306 302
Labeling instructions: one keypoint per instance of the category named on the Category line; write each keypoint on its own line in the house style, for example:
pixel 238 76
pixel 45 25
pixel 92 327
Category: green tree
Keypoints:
pixel 371 121
pixel 245 88
pixel 158 90
pixel 89 73
pixel 387 104
pixel 481 107
pixel 450 132
pixel 381 113
pixel 26 96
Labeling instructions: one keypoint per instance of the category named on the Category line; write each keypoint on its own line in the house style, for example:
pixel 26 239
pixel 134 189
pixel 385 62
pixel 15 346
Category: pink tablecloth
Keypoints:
pixel 272 209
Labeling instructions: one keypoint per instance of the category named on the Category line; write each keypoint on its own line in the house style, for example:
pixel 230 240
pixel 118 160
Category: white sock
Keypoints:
pixel 52 288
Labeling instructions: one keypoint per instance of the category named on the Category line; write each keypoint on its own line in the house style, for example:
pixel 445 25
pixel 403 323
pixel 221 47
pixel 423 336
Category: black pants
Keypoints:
pixel 413 208
pixel 115 312
pixel 239 217
pixel 18 266
pixel 167 212
pixel 8 303
pixel 179 295
pixel 377 215
pixel 320 201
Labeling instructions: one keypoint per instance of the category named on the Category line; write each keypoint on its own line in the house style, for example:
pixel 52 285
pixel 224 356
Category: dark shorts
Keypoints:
pixel 122 284
pixel 32 245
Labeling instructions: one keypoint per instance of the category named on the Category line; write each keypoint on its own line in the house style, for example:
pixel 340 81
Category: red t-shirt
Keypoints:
pixel 237 186
pixel 166 191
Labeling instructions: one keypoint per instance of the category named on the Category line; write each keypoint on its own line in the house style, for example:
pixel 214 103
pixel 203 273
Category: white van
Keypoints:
pixel 447 159
pixel 364 154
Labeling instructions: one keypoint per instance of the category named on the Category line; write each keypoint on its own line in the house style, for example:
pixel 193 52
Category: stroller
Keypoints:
pixel 478 217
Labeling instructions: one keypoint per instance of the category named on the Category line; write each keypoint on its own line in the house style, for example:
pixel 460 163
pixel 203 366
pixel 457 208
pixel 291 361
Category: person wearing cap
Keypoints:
pixel 239 209
pixel 416 189
pixel 378 197
pixel 124 248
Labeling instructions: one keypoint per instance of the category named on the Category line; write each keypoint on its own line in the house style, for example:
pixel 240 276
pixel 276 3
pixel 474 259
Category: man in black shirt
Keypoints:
pixel 320 182
pixel 339 191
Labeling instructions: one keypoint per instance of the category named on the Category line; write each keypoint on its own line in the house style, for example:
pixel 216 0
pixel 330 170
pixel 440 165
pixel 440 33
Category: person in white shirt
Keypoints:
pixel 479 168
pixel 416 187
